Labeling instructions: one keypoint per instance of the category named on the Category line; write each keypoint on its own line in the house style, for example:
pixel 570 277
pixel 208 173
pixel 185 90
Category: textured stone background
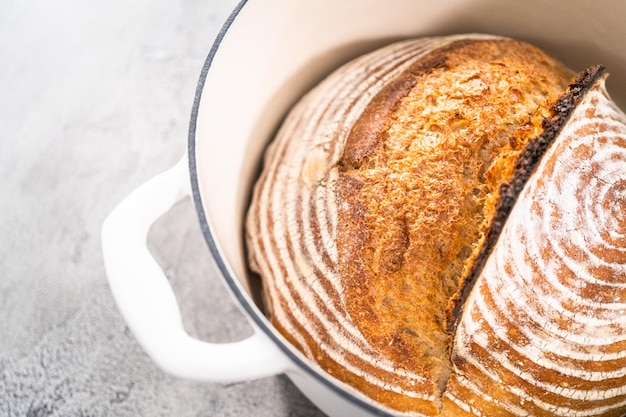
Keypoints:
pixel 95 99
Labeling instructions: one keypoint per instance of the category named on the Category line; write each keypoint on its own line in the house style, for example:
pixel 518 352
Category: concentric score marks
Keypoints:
pixel 544 330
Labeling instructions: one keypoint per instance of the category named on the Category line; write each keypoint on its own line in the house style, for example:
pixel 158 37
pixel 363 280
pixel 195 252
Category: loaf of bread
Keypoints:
pixel 441 226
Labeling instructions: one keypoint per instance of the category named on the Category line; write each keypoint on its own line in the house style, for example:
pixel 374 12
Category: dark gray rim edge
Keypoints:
pixel 208 234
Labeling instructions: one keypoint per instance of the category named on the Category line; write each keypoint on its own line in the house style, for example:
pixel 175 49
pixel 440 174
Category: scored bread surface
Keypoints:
pixel 374 203
pixel 545 329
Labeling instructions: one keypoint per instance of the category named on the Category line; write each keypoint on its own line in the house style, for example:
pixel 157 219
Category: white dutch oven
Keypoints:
pixel 267 55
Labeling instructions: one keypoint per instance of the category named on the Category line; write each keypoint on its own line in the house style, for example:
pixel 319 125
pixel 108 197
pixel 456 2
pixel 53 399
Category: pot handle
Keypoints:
pixel 148 304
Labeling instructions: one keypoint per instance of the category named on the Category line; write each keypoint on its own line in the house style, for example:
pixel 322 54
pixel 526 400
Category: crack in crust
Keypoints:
pixel 524 168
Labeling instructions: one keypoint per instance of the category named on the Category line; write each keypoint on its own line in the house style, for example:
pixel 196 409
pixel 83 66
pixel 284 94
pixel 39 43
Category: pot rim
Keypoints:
pixel 228 278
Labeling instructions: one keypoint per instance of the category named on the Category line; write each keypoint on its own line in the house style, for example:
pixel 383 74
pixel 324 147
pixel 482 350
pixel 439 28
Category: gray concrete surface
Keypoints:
pixel 95 98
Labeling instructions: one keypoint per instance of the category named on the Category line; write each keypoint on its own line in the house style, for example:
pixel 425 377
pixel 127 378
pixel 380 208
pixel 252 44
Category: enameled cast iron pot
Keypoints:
pixel 266 56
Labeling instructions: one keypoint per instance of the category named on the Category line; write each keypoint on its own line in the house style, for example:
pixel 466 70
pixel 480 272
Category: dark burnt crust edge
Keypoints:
pixel 562 109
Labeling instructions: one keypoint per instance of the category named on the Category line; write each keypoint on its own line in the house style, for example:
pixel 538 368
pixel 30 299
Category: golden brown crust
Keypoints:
pixel 377 208
pixel 421 177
